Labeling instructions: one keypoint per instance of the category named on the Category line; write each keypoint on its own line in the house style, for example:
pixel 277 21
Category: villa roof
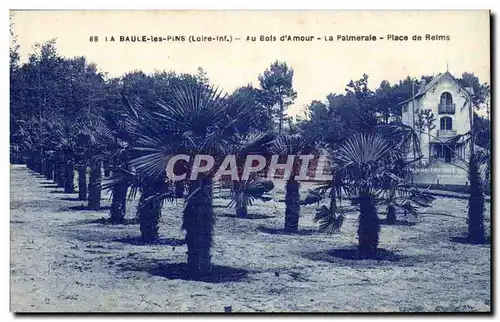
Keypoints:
pixel 431 84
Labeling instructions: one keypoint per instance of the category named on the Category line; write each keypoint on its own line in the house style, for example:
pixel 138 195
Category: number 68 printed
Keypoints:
pixel 94 39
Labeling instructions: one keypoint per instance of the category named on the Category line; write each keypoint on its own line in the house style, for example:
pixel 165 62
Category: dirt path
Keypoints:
pixel 62 260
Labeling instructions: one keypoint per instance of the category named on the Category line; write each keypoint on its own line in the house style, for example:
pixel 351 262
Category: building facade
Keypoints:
pixel 451 106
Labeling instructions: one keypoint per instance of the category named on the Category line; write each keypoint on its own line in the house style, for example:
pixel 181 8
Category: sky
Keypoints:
pixel 320 67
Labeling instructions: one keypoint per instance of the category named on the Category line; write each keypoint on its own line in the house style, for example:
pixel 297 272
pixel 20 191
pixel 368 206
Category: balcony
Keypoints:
pixel 446 108
pixel 446 133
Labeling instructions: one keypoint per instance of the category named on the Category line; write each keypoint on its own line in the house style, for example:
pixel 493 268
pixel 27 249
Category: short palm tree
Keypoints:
pixel 475 214
pixel 49 165
pixel 31 138
pixel 363 159
pixel 110 134
pixel 246 191
pixel 127 150
pixel 478 168
pixel 87 153
pixel 64 138
pixel 284 146
pixel 371 166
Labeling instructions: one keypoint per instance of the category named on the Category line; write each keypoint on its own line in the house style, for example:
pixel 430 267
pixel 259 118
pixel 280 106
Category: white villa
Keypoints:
pixel 451 105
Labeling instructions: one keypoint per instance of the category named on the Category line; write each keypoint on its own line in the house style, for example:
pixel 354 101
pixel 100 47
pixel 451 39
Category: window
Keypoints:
pixel 446 123
pixel 446 105
pixel 405 108
pixel 446 99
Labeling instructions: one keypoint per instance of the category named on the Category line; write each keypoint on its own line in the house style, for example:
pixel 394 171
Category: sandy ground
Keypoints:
pixel 444 173
pixel 62 259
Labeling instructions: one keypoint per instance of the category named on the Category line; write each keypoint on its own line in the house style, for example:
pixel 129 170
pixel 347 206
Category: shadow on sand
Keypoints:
pixel 250 216
pixel 399 223
pixel 159 241
pixel 72 199
pixel 219 274
pixel 281 231
pixel 466 240
pixel 350 257
pixel 84 207
pixel 106 221
pixel 61 191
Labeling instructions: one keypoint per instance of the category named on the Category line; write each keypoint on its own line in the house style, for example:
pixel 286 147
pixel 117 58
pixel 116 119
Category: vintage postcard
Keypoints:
pixel 250 161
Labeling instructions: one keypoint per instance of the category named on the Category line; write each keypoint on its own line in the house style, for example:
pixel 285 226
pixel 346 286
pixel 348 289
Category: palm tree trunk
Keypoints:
pixel 94 199
pixel 29 161
pixel 179 189
pixel 369 227
pixel 118 203
pixel 198 221
pixel 149 208
pixel 82 182
pixel 56 173
pixel 149 211
pixel 69 186
pixel 44 168
pixel 49 174
pixel 476 204
pixel 333 201
pixel 292 211
pixel 107 169
pixel 124 205
pixel 39 164
pixel 391 215
pixel 241 209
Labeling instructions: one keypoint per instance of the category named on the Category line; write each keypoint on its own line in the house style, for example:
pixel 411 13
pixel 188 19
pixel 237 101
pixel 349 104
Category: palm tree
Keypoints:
pixel 63 136
pixel 196 120
pixel 153 194
pixel 33 140
pixel 478 168
pixel 130 149
pixel 362 158
pixel 403 196
pixel 82 180
pixel 286 145
pixel 330 218
pixel 111 133
pixel 475 214
pixel 245 191
pixel 90 155
pixel 122 179
pixel 371 165
pixel 60 173
pixel 49 168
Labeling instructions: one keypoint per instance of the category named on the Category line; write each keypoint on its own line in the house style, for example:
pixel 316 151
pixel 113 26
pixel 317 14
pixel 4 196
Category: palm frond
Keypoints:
pixel 314 196
pixel 329 222
pixel 250 190
pixel 363 149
